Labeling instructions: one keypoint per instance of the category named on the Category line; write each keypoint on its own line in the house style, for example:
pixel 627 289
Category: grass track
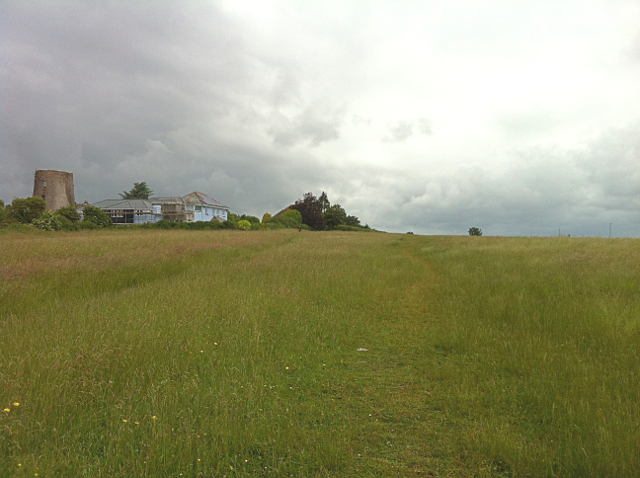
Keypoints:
pixel 183 353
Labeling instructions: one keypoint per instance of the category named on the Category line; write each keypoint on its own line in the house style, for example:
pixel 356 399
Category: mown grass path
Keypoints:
pixel 183 353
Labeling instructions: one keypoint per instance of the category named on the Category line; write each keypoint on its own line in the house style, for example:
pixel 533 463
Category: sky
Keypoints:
pixel 432 116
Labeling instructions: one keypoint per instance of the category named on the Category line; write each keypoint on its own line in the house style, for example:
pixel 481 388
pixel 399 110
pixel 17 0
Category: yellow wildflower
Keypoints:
pixel 124 421
pixel 7 410
pixel 16 404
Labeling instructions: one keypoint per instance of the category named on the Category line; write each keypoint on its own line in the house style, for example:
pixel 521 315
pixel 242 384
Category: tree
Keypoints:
pixel 353 221
pixel 334 216
pixel 138 191
pixel 310 208
pixel 265 217
pixel 325 202
pixel 97 216
pixel 25 210
pixel 475 231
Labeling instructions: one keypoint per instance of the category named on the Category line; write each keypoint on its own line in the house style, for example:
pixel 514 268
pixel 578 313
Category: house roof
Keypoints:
pixel 198 198
pixel 167 200
pixel 136 204
pixel 288 208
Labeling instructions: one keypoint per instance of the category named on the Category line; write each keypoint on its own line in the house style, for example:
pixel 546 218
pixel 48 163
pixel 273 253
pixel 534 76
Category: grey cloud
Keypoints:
pixel 146 92
pixel 612 165
pixel 404 129
pixel 401 131
pixel 307 127
pixel 543 190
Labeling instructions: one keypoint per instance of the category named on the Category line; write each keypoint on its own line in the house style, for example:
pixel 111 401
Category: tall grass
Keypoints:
pixel 188 353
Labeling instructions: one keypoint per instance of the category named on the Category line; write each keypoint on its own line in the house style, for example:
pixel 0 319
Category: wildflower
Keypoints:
pixel 137 423
pixel 7 410
pixel 16 404
pixel 153 417
pixel 124 421
pixel 286 368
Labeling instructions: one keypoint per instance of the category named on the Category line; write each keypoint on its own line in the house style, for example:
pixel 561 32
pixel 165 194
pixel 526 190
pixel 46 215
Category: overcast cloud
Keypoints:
pixel 520 118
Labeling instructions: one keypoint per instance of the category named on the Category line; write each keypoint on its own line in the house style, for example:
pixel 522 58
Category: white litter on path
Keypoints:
pixel 363 350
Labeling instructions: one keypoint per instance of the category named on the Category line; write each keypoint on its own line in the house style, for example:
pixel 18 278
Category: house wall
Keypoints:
pixel 145 218
pixel 207 213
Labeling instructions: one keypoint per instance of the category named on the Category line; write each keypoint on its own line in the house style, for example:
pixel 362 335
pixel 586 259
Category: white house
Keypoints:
pixel 205 208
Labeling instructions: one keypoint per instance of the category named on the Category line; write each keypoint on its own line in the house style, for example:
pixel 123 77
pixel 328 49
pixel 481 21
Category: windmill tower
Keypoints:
pixel 55 187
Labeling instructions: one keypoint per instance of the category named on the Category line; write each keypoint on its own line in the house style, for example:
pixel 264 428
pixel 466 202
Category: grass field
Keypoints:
pixel 182 353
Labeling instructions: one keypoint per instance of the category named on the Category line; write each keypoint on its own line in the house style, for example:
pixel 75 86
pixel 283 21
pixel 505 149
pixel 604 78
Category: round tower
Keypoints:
pixel 55 187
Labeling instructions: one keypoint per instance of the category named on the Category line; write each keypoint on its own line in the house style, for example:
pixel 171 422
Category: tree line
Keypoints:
pixel 320 215
pixel 309 212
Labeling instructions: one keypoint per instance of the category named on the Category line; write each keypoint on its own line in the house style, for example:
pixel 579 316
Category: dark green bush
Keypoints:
pixel 70 213
pixel 25 210
pixel 291 218
pixel 96 216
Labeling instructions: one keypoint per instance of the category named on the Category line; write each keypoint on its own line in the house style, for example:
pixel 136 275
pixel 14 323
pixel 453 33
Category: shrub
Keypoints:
pixel 291 218
pixel 70 213
pixel 344 227
pixel 229 224
pixel 244 225
pixel 96 216
pixel 251 219
pixel 49 221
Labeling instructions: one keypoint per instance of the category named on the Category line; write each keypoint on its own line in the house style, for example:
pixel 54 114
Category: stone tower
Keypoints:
pixel 55 187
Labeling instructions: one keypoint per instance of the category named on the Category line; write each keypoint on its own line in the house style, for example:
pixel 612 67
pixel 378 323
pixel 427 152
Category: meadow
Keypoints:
pixel 154 353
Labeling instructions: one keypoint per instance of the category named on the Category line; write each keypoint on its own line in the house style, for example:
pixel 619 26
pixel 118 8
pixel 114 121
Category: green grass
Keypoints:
pixel 223 353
